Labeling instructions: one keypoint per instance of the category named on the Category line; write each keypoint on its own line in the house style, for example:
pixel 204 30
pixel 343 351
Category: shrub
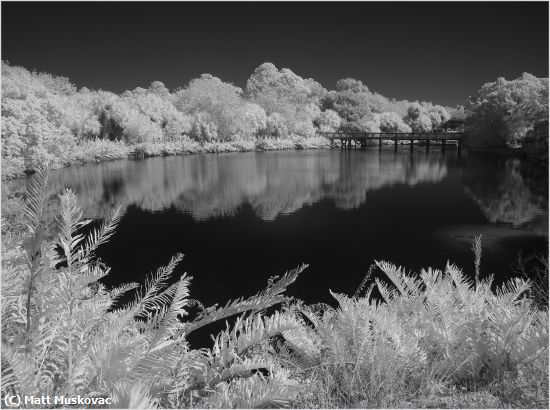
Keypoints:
pixel 312 143
pixel 304 129
pixel 428 328
pixel 244 145
pixel 97 150
pixel 276 126
pixel 328 121
pixel 178 126
pixel 203 128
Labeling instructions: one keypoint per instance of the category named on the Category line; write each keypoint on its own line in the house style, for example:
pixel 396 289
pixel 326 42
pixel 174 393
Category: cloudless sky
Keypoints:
pixel 440 52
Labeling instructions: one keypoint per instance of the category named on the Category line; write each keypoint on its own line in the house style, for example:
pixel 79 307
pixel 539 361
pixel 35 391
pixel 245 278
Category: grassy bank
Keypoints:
pixel 97 151
pixel 432 339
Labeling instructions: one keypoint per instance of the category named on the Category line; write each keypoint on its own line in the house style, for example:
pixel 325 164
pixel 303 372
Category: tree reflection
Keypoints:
pixel 509 191
pixel 277 183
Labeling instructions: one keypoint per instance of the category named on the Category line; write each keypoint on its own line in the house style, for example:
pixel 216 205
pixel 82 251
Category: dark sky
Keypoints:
pixel 442 52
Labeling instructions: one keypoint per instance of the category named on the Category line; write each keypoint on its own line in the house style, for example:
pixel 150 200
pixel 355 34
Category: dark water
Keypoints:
pixel 241 218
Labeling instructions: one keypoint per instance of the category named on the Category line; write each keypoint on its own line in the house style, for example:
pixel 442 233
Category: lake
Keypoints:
pixel 240 218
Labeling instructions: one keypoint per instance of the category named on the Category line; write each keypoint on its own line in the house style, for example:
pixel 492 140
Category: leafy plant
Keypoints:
pixel 61 334
pixel 426 330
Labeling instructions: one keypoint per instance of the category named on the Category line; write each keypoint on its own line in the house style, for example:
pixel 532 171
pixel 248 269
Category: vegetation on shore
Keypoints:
pixel 432 339
pixel 46 121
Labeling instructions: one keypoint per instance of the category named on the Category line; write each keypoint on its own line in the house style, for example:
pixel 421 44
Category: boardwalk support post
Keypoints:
pixel 359 140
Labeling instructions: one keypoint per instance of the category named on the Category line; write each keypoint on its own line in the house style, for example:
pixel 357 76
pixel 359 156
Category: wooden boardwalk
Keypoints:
pixel 349 140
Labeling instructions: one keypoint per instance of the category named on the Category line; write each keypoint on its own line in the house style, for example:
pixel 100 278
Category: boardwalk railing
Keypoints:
pixel 359 140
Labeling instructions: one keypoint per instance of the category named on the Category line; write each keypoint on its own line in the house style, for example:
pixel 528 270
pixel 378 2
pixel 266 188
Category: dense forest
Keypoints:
pixel 47 121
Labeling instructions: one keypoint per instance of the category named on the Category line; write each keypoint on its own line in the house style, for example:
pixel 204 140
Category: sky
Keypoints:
pixel 440 52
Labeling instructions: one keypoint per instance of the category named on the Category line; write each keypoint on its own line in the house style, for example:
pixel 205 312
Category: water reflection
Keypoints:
pixel 509 191
pixel 212 186
pixel 342 210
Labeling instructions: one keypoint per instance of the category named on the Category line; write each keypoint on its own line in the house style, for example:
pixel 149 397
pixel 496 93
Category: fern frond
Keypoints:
pixel 364 281
pixel 127 395
pixel 407 286
pixel 18 372
pixel 463 285
pixel 101 235
pixel 430 277
pixel 512 290
pixel 387 293
pixel 69 222
pixel 36 196
pixel 170 323
pixel 269 297
pixel 117 292
pixel 249 332
pixel 255 392
pixel 153 297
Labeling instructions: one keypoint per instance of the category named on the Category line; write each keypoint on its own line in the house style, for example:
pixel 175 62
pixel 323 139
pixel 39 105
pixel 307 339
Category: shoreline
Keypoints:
pixel 99 151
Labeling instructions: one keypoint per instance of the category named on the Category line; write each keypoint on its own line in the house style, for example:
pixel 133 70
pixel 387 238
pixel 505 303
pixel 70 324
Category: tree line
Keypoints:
pixel 47 120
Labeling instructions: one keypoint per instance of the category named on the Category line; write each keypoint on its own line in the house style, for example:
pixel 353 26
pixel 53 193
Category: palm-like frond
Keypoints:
pixel 169 324
pixel 18 373
pixel 70 221
pixel 248 332
pixel 154 295
pixel 101 235
pixel 127 395
pixel 254 392
pixel 269 297
pixel 36 196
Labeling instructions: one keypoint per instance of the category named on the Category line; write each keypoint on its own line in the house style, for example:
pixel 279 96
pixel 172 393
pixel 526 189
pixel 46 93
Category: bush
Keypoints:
pixel 97 150
pixel 435 328
pixel 312 143
pixel 328 121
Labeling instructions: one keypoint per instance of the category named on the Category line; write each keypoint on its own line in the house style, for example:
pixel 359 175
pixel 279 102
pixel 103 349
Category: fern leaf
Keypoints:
pixel 36 196
pixel 101 235
pixel 18 372
pixel 126 395
pixel 170 323
pixel 269 297
pixel 153 296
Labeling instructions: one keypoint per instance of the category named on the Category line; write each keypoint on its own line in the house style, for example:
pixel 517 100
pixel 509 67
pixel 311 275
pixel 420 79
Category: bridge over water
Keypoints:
pixel 349 140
